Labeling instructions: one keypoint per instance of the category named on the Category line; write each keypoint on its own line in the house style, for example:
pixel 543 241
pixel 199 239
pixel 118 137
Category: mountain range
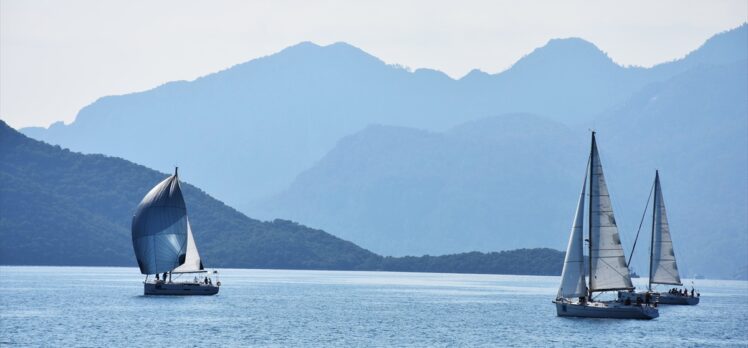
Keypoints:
pixel 275 116
pixel 511 181
pixel 410 162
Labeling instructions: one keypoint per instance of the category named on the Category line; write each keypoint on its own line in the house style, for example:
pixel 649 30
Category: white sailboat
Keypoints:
pixel 607 263
pixel 663 268
pixel 163 243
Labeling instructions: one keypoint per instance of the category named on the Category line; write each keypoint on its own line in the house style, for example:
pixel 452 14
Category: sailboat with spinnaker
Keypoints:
pixel 663 268
pixel 164 244
pixel 608 270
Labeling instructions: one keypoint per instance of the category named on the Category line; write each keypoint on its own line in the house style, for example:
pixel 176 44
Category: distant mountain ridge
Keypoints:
pixel 275 116
pixel 63 208
pixel 511 181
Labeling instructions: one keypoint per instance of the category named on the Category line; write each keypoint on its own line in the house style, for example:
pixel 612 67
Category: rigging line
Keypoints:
pixel 640 225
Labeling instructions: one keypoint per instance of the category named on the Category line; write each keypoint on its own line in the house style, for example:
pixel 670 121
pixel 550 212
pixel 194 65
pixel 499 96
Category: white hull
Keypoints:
pixel 181 289
pixel 613 310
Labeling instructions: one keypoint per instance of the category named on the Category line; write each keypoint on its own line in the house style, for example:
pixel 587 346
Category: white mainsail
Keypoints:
pixel 607 261
pixel 192 262
pixel 572 276
pixel 663 269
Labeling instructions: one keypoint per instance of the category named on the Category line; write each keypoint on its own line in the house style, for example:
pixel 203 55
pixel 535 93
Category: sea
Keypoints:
pixel 105 307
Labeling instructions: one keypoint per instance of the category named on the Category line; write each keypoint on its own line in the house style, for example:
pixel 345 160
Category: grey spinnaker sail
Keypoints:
pixel 608 263
pixel 663 270
pixel 192 262
pixel 572 275
pixel 159 228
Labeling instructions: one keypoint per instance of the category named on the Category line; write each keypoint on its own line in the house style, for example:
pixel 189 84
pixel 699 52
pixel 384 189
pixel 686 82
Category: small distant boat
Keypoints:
pixel 163 243
pixel 608 270
pixel 662 266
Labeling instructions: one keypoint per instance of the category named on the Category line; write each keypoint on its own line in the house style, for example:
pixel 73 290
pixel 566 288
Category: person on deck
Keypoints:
pixel 157 278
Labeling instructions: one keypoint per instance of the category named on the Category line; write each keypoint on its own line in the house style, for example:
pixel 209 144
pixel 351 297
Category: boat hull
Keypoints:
pixel 661 298
pixel 612 310
pixel 180 289
pixel 678 300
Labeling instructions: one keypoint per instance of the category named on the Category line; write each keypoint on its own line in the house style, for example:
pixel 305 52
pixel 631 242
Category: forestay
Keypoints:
pixel 608 263
pixel 572 276
pixel 663 270
pixel 159 228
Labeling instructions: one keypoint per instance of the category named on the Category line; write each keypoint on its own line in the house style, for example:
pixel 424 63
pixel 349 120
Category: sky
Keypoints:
pixel 58 56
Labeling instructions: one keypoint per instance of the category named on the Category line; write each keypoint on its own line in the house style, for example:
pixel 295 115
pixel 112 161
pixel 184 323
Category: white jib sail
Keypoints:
pixel 609 270
pixel 572 276
pixel 664 269
pixel 192 262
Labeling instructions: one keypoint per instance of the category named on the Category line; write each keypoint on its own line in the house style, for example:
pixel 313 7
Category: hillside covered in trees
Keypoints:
pixel 59 207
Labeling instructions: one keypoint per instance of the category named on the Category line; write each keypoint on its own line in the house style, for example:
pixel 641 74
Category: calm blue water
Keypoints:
pixel 77 306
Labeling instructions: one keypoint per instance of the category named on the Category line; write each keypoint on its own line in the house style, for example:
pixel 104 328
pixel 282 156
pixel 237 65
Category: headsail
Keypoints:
pixel 572 276
pixel 663 269
pixel 159 228
pixel 192 262
pixel 608 270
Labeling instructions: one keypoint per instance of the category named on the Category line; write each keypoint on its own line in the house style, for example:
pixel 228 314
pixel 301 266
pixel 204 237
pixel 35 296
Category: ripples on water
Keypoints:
pixel 96 306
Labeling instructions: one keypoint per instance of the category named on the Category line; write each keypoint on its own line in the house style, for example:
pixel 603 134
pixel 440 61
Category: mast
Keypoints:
pixel 654 213
pixel 589 216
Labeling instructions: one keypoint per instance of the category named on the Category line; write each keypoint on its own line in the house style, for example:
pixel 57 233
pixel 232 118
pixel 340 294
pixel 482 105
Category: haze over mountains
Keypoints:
pixel 486 162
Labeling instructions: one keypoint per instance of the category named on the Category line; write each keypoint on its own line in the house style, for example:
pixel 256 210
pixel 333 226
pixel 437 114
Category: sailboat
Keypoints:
pixel 164 244
pixel 662 266
pixel 606 261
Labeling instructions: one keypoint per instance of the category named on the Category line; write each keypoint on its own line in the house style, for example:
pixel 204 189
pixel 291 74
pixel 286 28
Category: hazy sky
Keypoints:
pixel 59 56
